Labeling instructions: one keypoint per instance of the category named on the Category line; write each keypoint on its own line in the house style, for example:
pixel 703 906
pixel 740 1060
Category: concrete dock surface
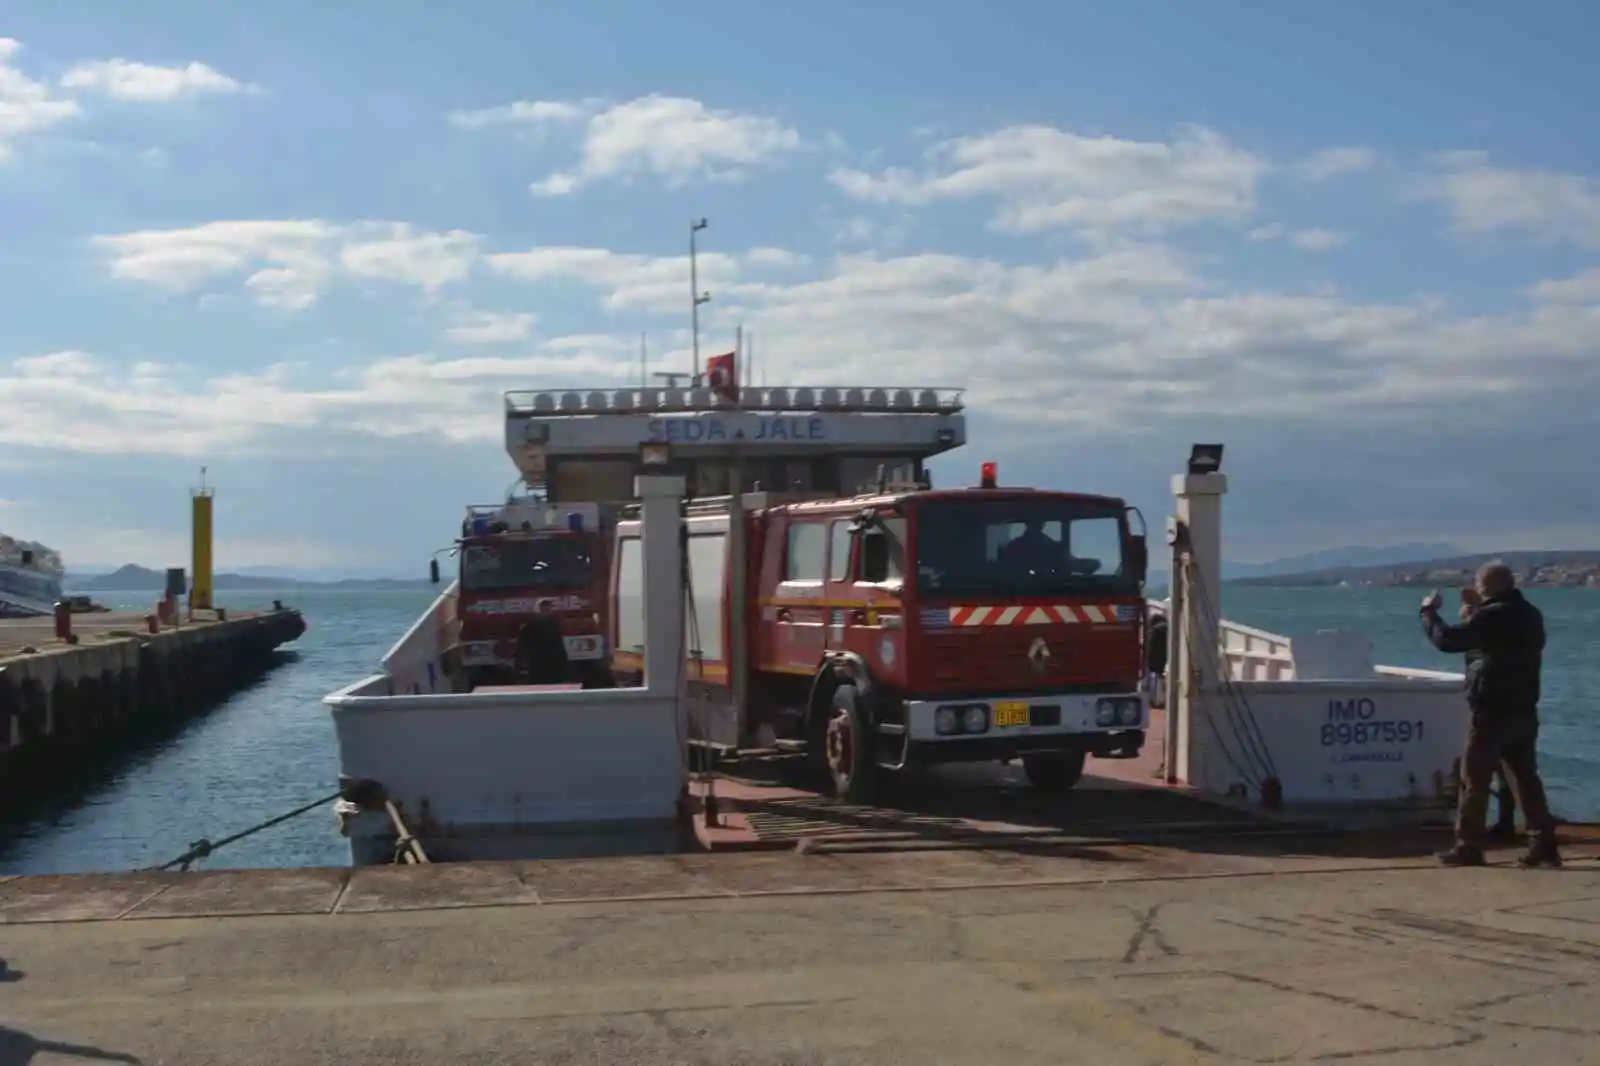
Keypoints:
pixel 1110 954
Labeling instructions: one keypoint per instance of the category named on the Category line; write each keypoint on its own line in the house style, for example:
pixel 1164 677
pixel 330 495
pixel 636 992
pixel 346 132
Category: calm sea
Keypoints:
pixel 270 748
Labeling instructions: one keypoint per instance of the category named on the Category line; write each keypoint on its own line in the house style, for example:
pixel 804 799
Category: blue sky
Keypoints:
pixel 309 250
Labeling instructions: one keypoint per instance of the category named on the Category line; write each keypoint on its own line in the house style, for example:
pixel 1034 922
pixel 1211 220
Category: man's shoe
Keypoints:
pixel 1541 853
pixel 1462 855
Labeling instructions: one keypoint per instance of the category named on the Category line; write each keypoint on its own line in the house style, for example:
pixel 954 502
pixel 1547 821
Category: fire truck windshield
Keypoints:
pixel 1020 547
pixel 525 562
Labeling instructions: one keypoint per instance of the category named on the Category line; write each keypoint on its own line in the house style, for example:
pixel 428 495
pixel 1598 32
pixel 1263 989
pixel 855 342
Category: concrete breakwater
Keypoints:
pixel 63 705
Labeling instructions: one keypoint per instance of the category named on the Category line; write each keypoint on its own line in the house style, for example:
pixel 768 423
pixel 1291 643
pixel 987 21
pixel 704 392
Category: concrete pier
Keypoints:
pixel 63 704
pixel 1205 951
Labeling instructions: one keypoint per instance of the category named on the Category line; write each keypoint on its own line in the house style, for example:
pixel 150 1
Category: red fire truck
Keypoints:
pixel 531 593
pixel 909 626
pixel 851 609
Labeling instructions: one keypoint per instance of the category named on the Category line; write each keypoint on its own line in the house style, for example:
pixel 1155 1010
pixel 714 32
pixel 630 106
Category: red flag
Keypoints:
pixel 722 376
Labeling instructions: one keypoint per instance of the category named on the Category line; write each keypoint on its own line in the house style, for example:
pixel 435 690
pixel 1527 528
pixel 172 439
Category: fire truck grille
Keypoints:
pixel 1001 658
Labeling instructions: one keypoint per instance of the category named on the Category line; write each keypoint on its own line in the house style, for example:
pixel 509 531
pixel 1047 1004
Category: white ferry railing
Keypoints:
pixel 1257 655
pixel 917 399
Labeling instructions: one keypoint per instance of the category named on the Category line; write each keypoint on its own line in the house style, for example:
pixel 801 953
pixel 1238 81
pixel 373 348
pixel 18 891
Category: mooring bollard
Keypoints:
pixel 63 620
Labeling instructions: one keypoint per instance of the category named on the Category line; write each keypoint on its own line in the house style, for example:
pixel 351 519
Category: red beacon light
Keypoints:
pixel 986 475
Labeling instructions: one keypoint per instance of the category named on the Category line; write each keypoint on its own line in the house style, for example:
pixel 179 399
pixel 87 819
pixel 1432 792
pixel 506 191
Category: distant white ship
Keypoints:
pixel 31 576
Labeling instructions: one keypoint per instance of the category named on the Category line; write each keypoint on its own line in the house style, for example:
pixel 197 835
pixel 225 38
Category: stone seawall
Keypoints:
pixel 64 705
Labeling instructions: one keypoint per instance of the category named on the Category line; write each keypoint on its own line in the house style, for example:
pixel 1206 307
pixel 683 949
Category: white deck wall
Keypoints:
pixel 496 760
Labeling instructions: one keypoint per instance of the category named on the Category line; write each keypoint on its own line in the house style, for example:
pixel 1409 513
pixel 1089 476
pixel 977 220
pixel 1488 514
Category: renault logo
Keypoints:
pixel 1039 655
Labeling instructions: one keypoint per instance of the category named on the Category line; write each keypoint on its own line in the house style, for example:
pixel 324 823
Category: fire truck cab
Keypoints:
pixel 531 588
pixel 837 602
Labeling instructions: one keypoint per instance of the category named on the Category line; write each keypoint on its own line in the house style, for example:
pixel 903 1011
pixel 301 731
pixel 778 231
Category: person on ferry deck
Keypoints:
pixel 1507 633
pixel 1505 826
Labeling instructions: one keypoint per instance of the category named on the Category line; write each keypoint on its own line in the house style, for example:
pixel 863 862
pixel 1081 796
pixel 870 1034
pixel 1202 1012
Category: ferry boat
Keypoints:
pixel 523 771
pixel 31 577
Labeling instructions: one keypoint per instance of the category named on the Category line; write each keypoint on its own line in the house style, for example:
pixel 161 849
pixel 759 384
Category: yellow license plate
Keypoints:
pixel 1010 713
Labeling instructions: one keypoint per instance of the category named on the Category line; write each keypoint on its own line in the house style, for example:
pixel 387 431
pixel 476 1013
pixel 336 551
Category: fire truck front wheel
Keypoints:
pixel 1054 771
pixel 850 751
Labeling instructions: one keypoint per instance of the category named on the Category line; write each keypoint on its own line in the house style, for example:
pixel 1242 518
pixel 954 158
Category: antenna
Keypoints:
pixel 696 298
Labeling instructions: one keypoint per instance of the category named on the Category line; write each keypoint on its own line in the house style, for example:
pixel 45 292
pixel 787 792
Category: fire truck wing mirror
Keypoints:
pixel 866 521
pixel 1138 557
pixel 433 571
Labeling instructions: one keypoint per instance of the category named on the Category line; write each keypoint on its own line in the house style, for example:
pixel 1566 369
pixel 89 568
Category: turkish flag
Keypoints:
pixel 722 376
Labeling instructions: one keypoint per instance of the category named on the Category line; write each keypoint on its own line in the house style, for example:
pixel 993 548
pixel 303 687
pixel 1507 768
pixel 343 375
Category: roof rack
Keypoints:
pixel 634 401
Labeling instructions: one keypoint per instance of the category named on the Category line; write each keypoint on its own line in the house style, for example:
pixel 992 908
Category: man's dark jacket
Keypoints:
pixel 1507 632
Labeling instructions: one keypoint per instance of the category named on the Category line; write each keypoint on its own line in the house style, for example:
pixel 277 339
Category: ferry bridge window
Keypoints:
pixel 1022 547
pixel 525 563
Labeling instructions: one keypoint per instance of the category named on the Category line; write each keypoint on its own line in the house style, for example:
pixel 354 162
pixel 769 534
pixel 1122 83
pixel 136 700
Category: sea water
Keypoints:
pixel 271 748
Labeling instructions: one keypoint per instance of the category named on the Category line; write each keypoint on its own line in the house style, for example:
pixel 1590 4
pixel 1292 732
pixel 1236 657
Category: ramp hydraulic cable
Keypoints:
pixel 1253 764
pixel 1237 704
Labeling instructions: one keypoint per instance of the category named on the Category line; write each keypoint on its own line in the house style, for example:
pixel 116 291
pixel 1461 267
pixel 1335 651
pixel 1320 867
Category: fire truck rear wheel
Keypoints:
pixel 1054 771
pixel 850 750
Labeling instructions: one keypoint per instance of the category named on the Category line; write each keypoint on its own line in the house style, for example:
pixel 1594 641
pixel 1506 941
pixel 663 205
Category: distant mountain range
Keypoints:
pixel 1359 556
pixel 1318 564
pixel 142 579
pixel 1536 569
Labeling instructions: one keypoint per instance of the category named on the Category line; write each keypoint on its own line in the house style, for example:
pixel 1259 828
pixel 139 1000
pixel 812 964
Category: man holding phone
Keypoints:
pixel 1507 634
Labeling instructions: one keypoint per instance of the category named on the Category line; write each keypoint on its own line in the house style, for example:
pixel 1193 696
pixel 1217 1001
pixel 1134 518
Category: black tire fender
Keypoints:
pixel 836 668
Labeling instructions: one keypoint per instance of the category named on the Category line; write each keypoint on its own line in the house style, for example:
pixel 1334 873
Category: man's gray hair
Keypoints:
pixel 1495 578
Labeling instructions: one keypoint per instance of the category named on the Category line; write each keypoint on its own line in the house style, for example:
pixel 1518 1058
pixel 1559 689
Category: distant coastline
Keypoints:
pixel 142 579
pixel 1551 569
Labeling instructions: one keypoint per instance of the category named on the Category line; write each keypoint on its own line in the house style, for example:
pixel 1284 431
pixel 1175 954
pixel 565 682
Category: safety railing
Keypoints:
pixel 898 400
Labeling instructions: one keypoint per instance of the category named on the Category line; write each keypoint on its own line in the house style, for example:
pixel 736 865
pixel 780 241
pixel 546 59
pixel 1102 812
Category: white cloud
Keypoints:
pixel 1131 336
pixel 26 106
pixel 1580 288
pixel 1318 240
pixel 290 263
pixel 526 112
pixel 491 327
pixel 636 282
pixel 397 252
pixel 1307 240
pixel 775 257
pixel 672 138
pixel 1045 178
pixel 76 402
pixel 1548 205
pixel 1335 162
pixel 126 79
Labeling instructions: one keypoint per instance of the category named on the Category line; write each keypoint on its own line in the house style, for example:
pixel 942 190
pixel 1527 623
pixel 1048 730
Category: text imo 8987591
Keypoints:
pixel 1356 722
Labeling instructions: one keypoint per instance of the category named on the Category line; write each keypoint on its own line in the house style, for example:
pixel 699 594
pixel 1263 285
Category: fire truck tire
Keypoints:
pixel 1055 771
pixel 850 747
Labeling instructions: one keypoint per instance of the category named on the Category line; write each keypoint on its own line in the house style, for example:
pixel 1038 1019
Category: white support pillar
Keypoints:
pixel 661 524
pixel 1198 639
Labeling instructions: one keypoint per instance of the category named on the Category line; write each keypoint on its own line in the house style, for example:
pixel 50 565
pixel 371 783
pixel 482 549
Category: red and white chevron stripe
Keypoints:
pixel 1050 615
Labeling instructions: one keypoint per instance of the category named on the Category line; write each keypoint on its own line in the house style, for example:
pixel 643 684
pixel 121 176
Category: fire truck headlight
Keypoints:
pixel 946 721
pixel 975 720
pixel 1128 712
pixel 1105 713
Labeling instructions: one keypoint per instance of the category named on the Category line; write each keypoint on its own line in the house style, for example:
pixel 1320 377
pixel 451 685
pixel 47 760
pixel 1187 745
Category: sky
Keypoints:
pixel 309 246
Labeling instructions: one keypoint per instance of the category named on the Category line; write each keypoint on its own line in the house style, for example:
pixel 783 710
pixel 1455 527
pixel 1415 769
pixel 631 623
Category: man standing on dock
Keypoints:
pixel 1507 633
pixel 1505 827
